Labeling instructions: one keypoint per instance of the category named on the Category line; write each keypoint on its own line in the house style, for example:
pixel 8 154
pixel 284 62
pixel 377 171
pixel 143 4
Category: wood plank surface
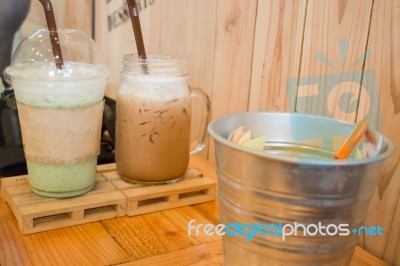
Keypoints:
pixel 277 53
pixel 361 257
pixel 12 247
pixel 156 233
pixel 79 18
pixel 5 211
pixel 205 254
pixel 72 14
pixel 159 238
pixel 335 37
pixel 235 27
pixel 68 246
pixel 212 254
pixel 384 63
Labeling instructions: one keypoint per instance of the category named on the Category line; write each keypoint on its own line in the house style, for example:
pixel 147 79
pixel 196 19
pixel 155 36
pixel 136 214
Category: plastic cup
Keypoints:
pixel 60 111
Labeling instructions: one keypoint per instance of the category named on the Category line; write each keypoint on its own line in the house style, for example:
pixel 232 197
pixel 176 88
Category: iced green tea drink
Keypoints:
pixel 60 111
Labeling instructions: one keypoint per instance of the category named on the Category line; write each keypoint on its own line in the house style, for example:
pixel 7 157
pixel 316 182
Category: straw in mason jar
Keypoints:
pixel 137 30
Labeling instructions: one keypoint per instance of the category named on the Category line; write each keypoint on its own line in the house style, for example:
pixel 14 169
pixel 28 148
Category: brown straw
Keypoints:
pixel 137 30
pixel 51 24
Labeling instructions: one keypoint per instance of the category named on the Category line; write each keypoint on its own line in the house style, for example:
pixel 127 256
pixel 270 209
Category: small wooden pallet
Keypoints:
pixel 111 197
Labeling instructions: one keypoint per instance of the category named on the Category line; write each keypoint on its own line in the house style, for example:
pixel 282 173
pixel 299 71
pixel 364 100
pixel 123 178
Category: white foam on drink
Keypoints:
pixel 154 88
pixel 77 85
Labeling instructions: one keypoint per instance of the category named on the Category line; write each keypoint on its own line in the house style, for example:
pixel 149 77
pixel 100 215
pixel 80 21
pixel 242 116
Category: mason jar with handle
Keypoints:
pixel 153 121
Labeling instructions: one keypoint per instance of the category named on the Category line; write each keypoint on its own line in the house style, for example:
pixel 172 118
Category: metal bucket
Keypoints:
pixel 294 182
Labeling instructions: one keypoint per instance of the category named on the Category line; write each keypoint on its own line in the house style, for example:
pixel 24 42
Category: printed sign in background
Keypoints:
pixel 114 33
pixel 175 27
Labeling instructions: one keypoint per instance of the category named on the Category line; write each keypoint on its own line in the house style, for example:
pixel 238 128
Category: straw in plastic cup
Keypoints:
pixel 51 24
pixel 60 111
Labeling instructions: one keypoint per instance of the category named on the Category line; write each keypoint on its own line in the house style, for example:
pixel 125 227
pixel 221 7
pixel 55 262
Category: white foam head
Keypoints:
pixel 154 87
pixel 76 85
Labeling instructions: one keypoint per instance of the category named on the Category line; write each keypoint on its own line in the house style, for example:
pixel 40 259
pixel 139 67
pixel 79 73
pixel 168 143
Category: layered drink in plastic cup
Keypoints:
pixel 60 111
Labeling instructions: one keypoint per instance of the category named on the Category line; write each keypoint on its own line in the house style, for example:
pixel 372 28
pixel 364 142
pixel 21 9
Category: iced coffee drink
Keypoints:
pixel 60 113
pixel 153 135
pixel 153 125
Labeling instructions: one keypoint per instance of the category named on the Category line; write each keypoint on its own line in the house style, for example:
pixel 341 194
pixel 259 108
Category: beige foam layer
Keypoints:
pixel 61 135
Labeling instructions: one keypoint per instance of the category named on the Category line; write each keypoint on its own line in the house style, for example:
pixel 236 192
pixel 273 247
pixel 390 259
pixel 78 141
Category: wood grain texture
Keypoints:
pixel 70 246
pixel 205 254
pixel 234 31
pixel 156 233
pixel 212 254
pixel 34 20
pixel 79 18
pixel 159 238
pixel 78 246
pixel 363 258
pixel 277 52
pixel 335 37
pixel 233 53
pixel 73 14
pixel 187 24
pixel 5 211
pixel 384 44
pixel 15 254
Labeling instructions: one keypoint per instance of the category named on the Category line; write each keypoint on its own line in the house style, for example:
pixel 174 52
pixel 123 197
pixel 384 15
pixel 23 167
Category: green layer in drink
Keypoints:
pixel 62 181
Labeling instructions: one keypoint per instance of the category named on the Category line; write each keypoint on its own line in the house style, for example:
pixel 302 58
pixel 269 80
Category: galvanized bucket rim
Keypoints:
pixel 304 161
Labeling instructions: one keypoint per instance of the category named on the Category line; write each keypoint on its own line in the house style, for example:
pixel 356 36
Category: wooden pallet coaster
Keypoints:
pixel 111 197
pixel 192 189
pixel 35 213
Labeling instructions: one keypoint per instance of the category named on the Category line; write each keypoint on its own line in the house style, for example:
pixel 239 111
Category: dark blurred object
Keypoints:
pixel 109 116
pixel 108 133
pixel 12 160
pixel 12 14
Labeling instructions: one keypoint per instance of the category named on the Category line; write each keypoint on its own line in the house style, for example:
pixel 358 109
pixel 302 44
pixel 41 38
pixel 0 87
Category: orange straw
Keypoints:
pixel 355 137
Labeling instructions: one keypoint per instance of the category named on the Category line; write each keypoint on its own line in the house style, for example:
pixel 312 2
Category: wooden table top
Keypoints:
pixel 158 238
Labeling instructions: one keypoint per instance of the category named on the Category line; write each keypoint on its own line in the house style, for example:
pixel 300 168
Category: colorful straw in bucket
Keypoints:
pixel 352 140
pixel 244 138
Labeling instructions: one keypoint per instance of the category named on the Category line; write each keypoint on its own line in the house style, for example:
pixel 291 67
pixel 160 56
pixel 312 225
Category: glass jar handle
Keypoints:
pixel 201 118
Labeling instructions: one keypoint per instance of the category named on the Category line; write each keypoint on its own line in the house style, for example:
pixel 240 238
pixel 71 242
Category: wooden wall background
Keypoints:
pixel 275 55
